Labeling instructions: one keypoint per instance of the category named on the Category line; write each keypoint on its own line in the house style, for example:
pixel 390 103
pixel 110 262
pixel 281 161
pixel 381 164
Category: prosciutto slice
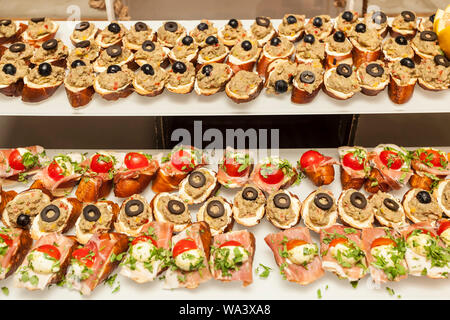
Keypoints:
pixel 329 262
pixel 396 179
pixel 245 271
pixel 16 252
pixel 125 173
pixel 421 167
pixel 354 174
pixel 326 161
pixel 369 235
pixel 293 272
pixel 6 171
pixel 227 180
pixel 287 181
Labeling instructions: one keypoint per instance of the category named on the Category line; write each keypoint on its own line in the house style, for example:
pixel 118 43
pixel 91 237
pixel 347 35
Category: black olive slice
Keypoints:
pixel 307 77
pixel 197 179
pixel 187 40
pixel 148 46
pixel 282 201
pixel 176 207
pixel 323 201
pixel 17 47
pixel 9 69
pixel 83 44
pixel 50 44
pixel 206 70
pixel 148 69
pixel 375 70
pixel 428 36
pixel 36 20
pixel 344 70
pixel 113 69
pixel 233 23
pixel 171 26
pixel 215 209
pixel 317 22
pixel 441 60
pixel 423 197
pixel 281 86
pixel 246 45
pixel 84 25
pixel 5 22
pixel 45 69
pixel 291 19
pixel 114 51
pixel 379 17
pixel 275 41
pixel 249 193
pixel 339 36
pixel 408 16
pixel 134 208
pixel 309 38
pixel 401 40
pixel 358 200
pixel 407 62
pixel 431 18
pixel 262 21
pixel 202 26
pixel 77 63
pixel 140 26
pixel 347 16
pixel 179 67
pixel 391 204
pixel 91 213
pixel 114 27
pixel 23 220
pixel 50 213
pixel 360 28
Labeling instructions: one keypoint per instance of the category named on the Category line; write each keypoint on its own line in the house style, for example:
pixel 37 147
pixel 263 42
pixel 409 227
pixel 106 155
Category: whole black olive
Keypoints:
pixel 233 23
pixel 5 22
pixel 246 45
pixel 148 69
pixel 441 60
pixel 206 70
pixel 113 69
pixel 114 27
pixel 431 18
pixel 215 209
pixel 375 70
pixel 360 28
pixel 347 16
pixel 317 22
pixel 23 220
pixel 309 38
pixel 134 208
pixel 187 40
pixel 379 17
pixel 9 69
pixel 344 70
pixel 211 40
pixel 275 41
pixel 358 200
pixel 140 26
pixel 114 51
pixel 50 44
pixel 281 86
pixel 39 19
pixel 45 69
pixel 202 26
pixel 428 36
pixel 291 19
pixel 339 36
pixel 84 25
pixel 171 26
pixel 401 40
pixel 423 197
pixel 17 47
pixel 179 67
pixel 148 46
pixel 408 16
pixel 262 21
pixel 83 44
pixel 77 63
pixel 307 77
pixel 407 62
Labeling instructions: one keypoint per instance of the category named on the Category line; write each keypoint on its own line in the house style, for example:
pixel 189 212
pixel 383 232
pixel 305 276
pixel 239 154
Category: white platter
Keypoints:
pixel 274 287
pixel 171 104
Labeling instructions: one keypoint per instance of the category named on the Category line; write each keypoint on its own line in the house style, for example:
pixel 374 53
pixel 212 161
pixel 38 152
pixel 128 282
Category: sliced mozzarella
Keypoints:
pixel 385 252
pixel 418 242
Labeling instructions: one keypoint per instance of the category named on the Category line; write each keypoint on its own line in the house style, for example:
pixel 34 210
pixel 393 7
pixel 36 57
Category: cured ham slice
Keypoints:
pixel 396 271
pixel 343 269
pixel 244 270
pixel 235 168
pixel 293 272
pixel 268 178
pixel 148 269
pixel 430 165
pixel 354 166
pixel 32 163
pixel 17 242
pixel 318 167
pixel 177 278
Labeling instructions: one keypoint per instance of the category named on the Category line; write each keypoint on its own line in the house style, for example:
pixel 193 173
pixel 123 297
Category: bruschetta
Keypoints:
pixel 168 207
pixel 317 167
pixel 234 168
pixel 83 31
pixel 355 210
pixel 39 29
pixel 319 210
pixel 135 213
pixel 283 209
pixel 198 186
pixel 249 205
pixel 14 244
pixel 430 165
pixel 388 210
pixel 218 213
pixel 443 196
pixel 111 35
pixel 273 174
pixel 354 167
pixel 19 163
pixel 11 31
pixel 421 206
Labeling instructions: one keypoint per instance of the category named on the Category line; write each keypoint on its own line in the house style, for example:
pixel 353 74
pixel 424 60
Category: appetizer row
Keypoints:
pixel 343 58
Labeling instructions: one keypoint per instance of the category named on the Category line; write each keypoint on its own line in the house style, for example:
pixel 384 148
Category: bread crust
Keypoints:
pixel 81 98
pixel 25 243
pixel 127 187
pixel 14 89
pixel 400 94
pixel 381 185
pixel 323 175
pixel 350 183
pixel 88 192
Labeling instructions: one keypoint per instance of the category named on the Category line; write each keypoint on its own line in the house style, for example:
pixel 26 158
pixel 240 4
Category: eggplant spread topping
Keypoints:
pixel 320 208
pixel 424 206
pixel 356 206
pixel 173 209
pixel 96 217
pixel 215 213
pixel 135 212
pixel 26 206
pixel 280 209
pixel 54 216
pixel 248 201
pixel 386 207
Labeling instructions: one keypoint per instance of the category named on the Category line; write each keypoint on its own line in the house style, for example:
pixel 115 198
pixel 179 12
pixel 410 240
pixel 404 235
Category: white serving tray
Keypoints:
pixel 171 104
pixel 274 287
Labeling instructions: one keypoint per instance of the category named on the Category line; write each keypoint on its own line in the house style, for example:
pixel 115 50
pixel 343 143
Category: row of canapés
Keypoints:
pixel 342 56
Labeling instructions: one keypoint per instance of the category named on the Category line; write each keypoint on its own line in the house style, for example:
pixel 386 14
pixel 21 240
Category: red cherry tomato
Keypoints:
pixel 183 161
pixel 143 239
pixel 351 161
pixel 6 239
pixel 391 159
pixel 310 158
pixel 85 255
pixel 424 231
pixel 15 160
pixel 231 243
pixel 101 163
pixel 55 171
pixel 432 157
pixel 291 244
pixel 232 168
pixel 270 174
pixel 135 160
pixel 382 242
pixel 51 250
pixel 337 241
pixel 183 246
pixel 444 225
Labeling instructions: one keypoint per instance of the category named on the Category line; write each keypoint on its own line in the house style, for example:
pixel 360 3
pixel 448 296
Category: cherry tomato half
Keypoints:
pixel 271 174
pixel 55 171
pixel 337 241
pixel 183 246
pixel 391 159
pixel 6 239
pixel 136 160
pixel 183 161
pixel 15 160
pixel 432 157
pixel 382 242
pixel 231 243
pixel 143 238
pixel 51 250
pixel 101 163
pixel 444 225
pixel 291 244
pixel 352 161
pixel 310 158
pixel 85 255
pixel 232 168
